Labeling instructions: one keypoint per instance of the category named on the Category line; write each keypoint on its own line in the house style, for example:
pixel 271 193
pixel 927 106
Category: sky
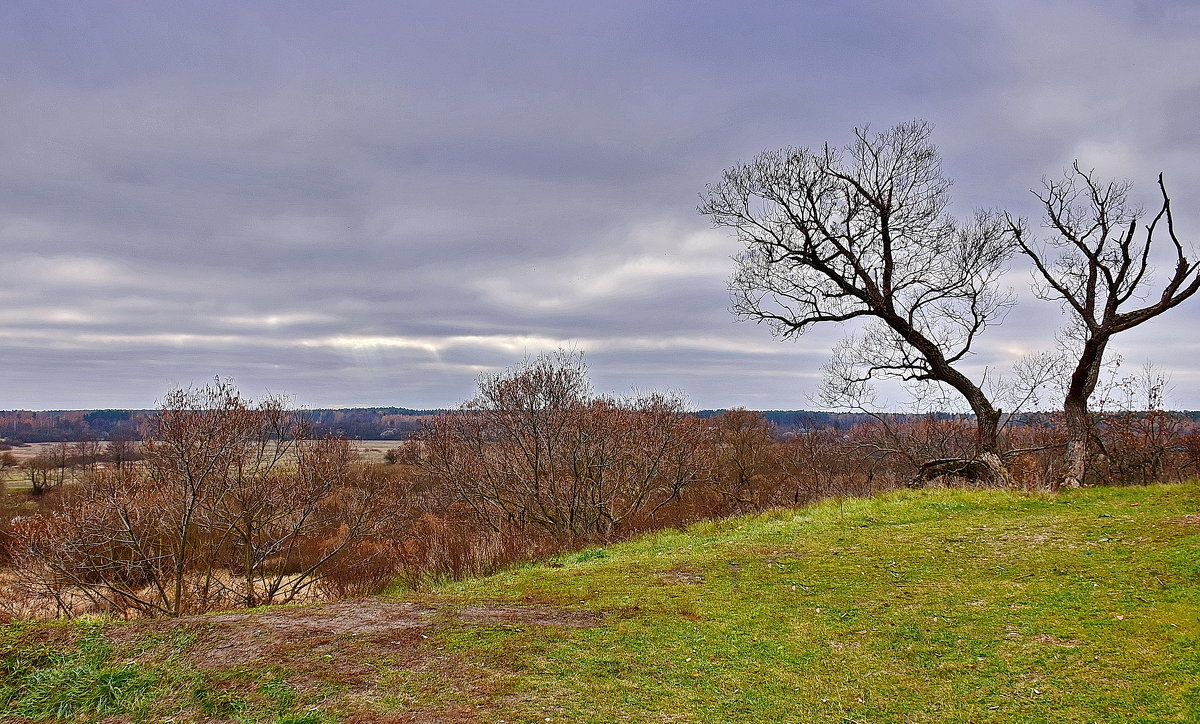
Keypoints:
pixel 372 203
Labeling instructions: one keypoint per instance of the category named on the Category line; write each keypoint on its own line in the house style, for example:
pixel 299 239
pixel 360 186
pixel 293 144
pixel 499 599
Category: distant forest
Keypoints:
pixel 365 423
pixel 371 423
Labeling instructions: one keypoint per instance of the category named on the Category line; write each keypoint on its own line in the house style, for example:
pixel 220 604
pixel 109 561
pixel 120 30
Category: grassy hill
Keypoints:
pixel 923 607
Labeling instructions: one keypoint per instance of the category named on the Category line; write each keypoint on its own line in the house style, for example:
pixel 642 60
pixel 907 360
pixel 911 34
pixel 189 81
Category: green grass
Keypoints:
pixel 915 607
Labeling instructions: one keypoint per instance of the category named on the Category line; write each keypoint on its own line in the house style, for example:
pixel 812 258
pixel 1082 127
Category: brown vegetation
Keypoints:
pixel 235 505
pixel 535 447
pixel 232 505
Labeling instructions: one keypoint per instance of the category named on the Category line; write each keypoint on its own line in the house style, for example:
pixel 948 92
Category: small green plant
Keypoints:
pixel 281 695
pixel 591 554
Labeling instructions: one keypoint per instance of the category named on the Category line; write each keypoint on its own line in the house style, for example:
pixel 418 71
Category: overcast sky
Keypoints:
pixel 370 203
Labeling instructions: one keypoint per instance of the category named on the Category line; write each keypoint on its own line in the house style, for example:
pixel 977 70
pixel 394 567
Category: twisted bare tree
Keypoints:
pixel 862 233
pixel 1099 265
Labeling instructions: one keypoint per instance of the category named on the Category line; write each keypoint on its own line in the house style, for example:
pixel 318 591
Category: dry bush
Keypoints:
pixel 901 448
pixel 439 549
pixel 536 447
pixel 1034 450
pixel 821 464
pixel 1139 441
pixel 233 506
pixel 1189 452
pixel 745 466
pixel 362 568
pixel 1143 447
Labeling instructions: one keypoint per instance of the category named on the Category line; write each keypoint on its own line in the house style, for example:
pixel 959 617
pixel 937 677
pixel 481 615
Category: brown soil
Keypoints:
pixel 362 628
pixel 680 577
pixel 346 643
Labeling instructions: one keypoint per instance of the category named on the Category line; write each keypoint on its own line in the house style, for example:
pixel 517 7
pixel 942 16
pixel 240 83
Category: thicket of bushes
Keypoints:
pixel 235 503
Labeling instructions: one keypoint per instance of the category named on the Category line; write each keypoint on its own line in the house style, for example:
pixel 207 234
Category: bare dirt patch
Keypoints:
pixel 346 634
pixel 680 577
pixel 1065 643
pixel 461 715
pixel 1193 519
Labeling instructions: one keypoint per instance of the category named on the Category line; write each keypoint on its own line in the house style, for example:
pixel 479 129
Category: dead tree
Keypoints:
pixel 1098 264
pixel 862 233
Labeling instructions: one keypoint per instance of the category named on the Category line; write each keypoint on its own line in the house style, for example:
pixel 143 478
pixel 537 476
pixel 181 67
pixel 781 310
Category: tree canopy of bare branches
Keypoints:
pixel 862 233
pixel 233 505
pixel 537 447
pixel 1099 265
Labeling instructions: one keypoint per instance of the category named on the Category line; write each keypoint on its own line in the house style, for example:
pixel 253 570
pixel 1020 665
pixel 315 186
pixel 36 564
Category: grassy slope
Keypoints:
pixel 930 606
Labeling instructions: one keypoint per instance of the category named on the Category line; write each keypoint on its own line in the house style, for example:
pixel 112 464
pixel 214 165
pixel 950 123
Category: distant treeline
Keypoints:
pixel 368 423
pixel 374 423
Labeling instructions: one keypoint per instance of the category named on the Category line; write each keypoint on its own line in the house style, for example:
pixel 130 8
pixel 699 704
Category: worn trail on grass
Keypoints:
pixel 273 635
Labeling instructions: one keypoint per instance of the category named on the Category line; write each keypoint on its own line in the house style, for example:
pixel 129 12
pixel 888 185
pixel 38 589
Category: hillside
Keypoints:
pixel 925 606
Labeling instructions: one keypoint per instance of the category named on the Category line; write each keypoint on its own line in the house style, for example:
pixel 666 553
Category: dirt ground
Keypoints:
pixel 247 638
pixel 356 645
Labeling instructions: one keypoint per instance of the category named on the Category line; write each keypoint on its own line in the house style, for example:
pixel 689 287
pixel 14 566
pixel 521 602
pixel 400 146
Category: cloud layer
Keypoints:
pixel 370 203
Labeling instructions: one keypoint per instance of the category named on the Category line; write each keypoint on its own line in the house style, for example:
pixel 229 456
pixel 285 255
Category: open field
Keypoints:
pixel 371 451
pixel 12 478
pixel 32 449
pixel 916 607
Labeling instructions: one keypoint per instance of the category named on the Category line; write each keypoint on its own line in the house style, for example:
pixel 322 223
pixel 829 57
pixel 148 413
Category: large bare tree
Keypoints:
pixel 1098 264
pixel 863 233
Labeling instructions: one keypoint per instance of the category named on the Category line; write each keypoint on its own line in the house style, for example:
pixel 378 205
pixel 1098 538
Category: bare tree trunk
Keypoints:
pixel 987 426
pixel 987 417
pixel 1078 437
pixel 1075 409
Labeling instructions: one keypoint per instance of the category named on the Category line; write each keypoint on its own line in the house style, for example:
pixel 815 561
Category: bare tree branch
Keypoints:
pixel 836 235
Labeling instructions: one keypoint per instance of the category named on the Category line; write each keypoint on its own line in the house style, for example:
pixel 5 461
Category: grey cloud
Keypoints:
pixel 369 203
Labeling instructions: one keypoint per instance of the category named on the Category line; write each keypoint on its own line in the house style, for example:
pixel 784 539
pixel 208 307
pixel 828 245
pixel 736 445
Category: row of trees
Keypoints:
pixel 26 426
pixel 863 233
pixel 64 461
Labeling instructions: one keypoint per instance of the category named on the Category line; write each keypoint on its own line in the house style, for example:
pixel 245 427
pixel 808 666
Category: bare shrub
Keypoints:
pixel 745 466
pixel 233 506
pixel 362 568
pixel 448 548
pixel 536 447
pixel 819 464
pixel 1141 442
pixel 1034 451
